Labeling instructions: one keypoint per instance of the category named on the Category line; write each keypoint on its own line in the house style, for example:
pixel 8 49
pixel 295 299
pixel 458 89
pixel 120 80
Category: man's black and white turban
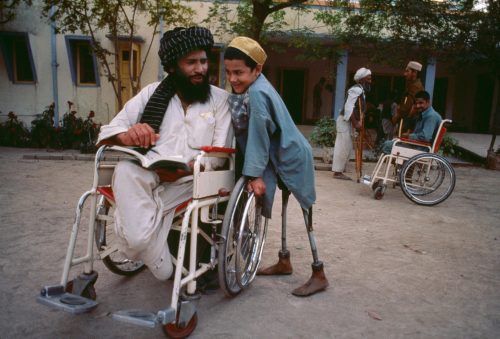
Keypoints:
pixel 178 42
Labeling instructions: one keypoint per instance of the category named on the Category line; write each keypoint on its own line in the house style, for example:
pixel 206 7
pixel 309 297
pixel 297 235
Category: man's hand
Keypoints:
pixel 355 123
pixel 257 186
pixel 141 135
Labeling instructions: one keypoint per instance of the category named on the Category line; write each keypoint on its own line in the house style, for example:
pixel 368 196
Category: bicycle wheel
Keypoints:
pixel 104 236
pixel 242 241
pixel 427 179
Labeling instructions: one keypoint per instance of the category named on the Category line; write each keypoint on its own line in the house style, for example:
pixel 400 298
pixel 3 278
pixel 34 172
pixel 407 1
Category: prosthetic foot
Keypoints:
pixel 282 267
pixel 316 283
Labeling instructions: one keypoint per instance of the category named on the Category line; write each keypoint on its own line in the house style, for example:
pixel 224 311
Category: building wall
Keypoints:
pixel 27 100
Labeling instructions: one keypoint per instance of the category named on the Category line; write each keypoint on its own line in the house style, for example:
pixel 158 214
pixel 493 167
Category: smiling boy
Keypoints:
pixel 274 150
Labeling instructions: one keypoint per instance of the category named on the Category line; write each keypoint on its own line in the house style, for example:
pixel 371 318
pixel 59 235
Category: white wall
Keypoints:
pixel 27 100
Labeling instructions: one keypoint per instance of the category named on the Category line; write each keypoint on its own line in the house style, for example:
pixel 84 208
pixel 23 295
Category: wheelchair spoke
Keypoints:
pixel 240 254
pixel 427 179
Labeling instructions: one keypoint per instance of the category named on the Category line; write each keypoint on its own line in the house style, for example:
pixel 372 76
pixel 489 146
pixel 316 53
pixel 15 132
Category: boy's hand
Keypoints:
pixel 257 186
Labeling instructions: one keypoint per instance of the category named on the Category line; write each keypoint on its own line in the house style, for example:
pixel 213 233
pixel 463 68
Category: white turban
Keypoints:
pixel 362 73
pixel 414 65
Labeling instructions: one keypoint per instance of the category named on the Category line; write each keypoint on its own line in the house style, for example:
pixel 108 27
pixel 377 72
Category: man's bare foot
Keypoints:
pixel 282 267
pixel 316 283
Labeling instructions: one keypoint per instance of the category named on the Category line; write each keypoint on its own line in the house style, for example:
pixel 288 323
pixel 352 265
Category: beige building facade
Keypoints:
pixel 38 67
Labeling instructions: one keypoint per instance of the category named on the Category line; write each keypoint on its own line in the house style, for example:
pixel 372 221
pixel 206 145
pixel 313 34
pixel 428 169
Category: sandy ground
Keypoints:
pixel 396 269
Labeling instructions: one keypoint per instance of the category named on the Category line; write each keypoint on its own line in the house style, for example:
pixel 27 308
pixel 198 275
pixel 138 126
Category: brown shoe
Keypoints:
pixel 340 176
pixel 282 267
pixel 316 283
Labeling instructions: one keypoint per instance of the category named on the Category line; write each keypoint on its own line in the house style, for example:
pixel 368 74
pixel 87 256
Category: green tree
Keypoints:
pixel 8 9
pixel 460 32
pixel 252 18
pixel 117 18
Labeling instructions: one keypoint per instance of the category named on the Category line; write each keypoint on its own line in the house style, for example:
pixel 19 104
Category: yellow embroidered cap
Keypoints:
pixel 250 47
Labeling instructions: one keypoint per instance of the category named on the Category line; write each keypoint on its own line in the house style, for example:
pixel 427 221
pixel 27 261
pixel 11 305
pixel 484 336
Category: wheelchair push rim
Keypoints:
pixel 232 278
pixel 251 238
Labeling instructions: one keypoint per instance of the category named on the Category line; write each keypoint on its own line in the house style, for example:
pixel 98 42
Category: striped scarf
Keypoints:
pixel 157 104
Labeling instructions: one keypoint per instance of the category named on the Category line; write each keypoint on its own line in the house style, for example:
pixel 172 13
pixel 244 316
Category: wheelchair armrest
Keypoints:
pixel 415 142
pixel 211 149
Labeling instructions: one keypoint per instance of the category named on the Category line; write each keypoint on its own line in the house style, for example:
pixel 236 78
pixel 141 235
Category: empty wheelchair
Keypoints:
pixel 425 177
pixel 235 238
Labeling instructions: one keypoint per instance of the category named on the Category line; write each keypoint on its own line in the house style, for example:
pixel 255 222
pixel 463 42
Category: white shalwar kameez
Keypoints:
pixel 343 141
pixel 145 207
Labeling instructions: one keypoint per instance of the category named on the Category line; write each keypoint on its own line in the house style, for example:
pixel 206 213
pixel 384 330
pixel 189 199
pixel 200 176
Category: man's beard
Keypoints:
pixel 189 91
pixel 367 87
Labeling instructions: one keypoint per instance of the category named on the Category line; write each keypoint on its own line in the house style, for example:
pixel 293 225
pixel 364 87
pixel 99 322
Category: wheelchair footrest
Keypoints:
pixel 55 297
pixel 144 318
pixel 366 179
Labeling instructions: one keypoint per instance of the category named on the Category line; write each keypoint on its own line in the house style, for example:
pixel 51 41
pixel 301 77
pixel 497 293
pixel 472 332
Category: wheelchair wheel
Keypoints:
pixel 243 234
pixel 175 332
pixel 427 179
pixel 379 191
pixel 104 236
pixel 251 238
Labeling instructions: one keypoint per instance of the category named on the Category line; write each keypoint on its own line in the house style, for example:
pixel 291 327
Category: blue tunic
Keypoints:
pixel 271 143
pixel 425 129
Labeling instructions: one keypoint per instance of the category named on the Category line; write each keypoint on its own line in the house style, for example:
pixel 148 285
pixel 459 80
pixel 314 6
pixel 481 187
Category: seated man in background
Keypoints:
pixel 427 123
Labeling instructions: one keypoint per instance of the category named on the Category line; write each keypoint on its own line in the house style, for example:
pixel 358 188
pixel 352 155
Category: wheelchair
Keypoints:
pixel 236 240
pixel 425 177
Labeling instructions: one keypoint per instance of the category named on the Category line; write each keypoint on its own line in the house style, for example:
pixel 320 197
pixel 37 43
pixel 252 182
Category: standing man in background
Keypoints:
pixel 349 118
pixel 413 86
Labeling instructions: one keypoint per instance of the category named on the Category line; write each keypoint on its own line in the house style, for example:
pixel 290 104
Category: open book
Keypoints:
pixel 170 163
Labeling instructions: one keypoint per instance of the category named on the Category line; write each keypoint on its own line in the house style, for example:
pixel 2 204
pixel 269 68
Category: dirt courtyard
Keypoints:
pixel 396 269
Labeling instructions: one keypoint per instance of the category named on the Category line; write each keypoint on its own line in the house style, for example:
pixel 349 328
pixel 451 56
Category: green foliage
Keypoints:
pixel 324 133
pixel 257 19
pixel 13 132
pixel 394 31
pixel 74 132
pixel 449 146
pixel 117 19
pixel 43 133
pixel 8 9
pixel 90 131
pixel 71 129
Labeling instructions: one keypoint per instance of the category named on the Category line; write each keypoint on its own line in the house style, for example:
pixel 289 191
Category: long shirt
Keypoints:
pixel 272 145
pixel 181 133
pixel 352 103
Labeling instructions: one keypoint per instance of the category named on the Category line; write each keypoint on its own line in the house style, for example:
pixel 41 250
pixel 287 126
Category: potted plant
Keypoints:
pixel 493 159
pixel 323 135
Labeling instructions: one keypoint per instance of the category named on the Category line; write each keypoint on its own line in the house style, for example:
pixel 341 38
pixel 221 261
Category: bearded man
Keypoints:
pixel 349 118
pixel 173 117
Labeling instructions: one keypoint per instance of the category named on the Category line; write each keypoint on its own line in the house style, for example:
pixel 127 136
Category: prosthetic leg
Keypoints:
pixel 283 266
pixel 317 282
